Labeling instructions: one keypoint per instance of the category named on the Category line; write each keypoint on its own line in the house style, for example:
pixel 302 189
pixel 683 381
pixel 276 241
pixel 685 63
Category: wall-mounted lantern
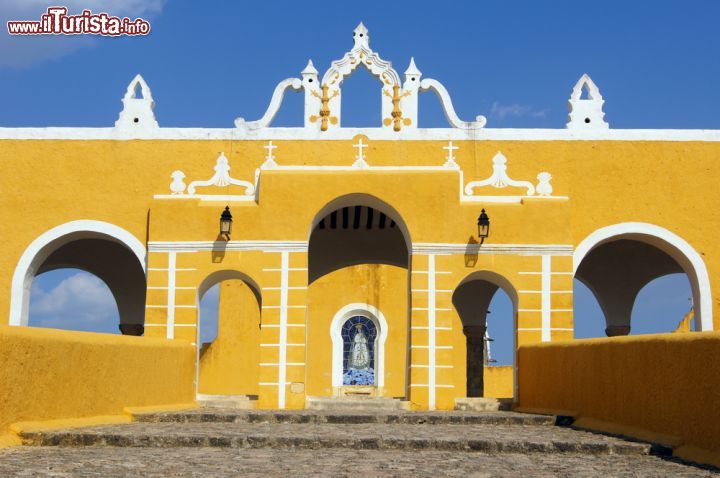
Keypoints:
pixel 226 223
pixel 483 225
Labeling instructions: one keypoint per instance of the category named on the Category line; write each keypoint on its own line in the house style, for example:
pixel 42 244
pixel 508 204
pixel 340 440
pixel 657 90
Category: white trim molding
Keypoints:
pixel 670 243
pixel 195 246
pixel 345 134
pixel 40 249
pixel 519 249
pixel 341 316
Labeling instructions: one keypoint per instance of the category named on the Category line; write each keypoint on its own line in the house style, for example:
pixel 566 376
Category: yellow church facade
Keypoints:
pixel 356 252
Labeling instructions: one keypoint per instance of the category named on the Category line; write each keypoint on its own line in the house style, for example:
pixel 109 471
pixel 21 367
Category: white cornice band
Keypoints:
pixel 418 134
pixel 219 246
pixel 519 249
pixel 417 248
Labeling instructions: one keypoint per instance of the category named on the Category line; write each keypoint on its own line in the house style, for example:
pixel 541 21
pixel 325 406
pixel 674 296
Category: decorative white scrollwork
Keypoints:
pixel 274 107
pixel 361 54
pixel 448 108
pixel 220 178
pixel 500 179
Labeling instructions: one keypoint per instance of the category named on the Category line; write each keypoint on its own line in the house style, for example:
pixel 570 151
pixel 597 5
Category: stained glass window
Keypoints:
pixel 359 334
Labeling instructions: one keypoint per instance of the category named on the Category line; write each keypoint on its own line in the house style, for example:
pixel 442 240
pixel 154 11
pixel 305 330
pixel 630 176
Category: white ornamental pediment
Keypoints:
pixel 500 179
pixel 221 178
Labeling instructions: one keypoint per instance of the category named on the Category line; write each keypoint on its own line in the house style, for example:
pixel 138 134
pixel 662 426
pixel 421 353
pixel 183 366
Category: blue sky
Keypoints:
pixel 656 63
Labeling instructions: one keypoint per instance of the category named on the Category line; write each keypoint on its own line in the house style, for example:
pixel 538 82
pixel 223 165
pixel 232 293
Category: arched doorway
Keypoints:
pixel 111 254
pixel 615 263
pixel 472 300
pixel 228 335
pixel 358 254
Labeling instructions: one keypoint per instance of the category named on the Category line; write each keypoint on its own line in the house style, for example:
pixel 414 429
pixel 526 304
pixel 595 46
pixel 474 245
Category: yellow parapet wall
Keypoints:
pixel 49 374
pixel 498 381
pixel 663 388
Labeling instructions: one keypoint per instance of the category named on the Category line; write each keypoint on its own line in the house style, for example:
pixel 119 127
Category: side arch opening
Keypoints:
pixel 228 335
pixel 77 251
pixel 615 263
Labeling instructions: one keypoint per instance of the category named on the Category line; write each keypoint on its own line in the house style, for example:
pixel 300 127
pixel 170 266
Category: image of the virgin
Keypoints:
pixel 359 351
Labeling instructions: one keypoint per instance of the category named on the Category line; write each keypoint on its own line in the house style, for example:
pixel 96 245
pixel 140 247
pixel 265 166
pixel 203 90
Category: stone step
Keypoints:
pixel 356 403
pixel 482 404
pixel 235 402
pixel 344 417
pixel 469 438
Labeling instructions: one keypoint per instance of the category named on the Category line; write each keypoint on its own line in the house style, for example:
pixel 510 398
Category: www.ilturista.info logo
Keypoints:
pixel 57 22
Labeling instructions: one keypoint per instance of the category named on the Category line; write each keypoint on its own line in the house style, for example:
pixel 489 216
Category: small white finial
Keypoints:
pixel 361 36
pixel 137 113
pixel 309 69
pixel 412 70
pixel 586 113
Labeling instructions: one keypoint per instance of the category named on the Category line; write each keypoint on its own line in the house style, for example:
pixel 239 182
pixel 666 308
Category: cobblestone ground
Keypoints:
pixel 214 462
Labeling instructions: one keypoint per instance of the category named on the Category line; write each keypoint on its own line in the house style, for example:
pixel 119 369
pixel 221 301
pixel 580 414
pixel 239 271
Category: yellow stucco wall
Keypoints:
pixel 231 363
pixel 498 382
pixel 661 387
pixel 51 374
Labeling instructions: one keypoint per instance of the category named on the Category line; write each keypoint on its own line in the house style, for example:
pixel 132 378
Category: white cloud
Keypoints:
pixel 515 110
pixel 24 51
pixel 80 302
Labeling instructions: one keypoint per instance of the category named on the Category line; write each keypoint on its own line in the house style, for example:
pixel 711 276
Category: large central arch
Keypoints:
pixel 359 254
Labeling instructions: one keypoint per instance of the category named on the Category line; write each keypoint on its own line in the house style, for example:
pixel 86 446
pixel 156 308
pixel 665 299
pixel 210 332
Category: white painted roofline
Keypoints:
pixel 299 133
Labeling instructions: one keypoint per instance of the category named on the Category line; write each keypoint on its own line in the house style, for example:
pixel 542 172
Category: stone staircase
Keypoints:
pixel 481 404
pixel 356 403
pixel 232 442
pixel 488 432
pixel 234 402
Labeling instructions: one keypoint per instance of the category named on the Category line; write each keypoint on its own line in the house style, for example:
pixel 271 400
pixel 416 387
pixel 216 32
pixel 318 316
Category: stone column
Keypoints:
pixel 475 336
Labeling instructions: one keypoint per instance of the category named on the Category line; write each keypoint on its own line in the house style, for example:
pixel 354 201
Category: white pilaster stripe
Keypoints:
pixel 300 287
pixel 540 310
pixel 177 287
pixel 287 364
pixel 545 298
pixel 282 370
pixel 535 329
pixel 427 366
pixel 437 385
pixel 172 259
pixel 290 269
pixel 167 306
pixel 543 292
pixel 431 331
pixel 278 345
pixel 551 273
pixel 286 306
